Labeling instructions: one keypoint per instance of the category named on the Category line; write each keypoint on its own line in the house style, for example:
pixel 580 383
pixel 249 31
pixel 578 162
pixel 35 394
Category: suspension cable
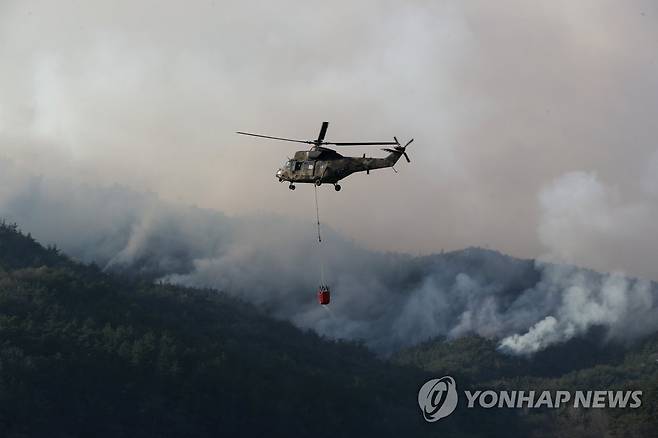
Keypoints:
pixel 317 218
pixel 317 212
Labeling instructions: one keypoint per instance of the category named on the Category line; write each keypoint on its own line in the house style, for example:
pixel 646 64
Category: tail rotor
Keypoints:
pixel 400 149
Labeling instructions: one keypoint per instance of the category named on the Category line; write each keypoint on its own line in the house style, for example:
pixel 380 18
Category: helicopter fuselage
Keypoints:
pixel 324 165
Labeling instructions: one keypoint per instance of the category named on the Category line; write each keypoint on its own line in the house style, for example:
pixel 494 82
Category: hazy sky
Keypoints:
pixel 535 122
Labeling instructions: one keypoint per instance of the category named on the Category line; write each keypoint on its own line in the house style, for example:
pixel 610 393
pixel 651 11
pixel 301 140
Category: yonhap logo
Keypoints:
pixel 437 398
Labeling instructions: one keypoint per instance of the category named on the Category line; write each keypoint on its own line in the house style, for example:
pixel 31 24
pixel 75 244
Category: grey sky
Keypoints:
pixel 534 121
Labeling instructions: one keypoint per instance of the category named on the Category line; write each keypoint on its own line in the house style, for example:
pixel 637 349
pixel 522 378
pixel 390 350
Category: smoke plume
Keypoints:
pixel 502 98
pixel 386 300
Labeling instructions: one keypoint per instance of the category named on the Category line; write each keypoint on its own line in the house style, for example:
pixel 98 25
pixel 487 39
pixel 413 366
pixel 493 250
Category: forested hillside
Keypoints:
pixel 84 353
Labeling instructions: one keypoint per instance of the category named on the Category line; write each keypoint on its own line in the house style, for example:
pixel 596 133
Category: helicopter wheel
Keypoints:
pixel 291 187
pixel 337 187
pixel 318 182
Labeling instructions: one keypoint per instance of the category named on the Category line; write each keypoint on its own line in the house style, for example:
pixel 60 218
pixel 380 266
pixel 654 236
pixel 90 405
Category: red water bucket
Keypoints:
pixel 323 295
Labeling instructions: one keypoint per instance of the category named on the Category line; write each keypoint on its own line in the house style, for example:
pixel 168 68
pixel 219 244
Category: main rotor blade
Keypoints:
pixel 275 138
pixel 365 143
pixel 323 131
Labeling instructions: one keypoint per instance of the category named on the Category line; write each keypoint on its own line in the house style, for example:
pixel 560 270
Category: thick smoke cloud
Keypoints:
pixel 535 135
pixel 387 300
pixel 502 97
pixel 582 300
pixel 582 218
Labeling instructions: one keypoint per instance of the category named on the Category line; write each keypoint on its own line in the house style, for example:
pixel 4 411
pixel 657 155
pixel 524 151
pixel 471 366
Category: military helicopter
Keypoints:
pixel 321 164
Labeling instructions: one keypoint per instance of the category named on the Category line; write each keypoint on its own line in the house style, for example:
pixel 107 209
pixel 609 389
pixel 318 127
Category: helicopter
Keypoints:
pixel 320 164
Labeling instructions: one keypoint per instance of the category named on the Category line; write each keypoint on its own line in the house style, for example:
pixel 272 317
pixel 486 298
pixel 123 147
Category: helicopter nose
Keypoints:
pixel 279 173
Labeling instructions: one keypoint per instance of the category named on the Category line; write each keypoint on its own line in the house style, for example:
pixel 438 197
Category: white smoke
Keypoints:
pixel 584 219
pixel 501 98
pixel 627 308
pixel 386 300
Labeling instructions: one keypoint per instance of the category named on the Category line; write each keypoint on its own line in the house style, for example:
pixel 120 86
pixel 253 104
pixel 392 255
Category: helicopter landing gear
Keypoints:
pixel 337 187
pixel 291 186
pixel 318 182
